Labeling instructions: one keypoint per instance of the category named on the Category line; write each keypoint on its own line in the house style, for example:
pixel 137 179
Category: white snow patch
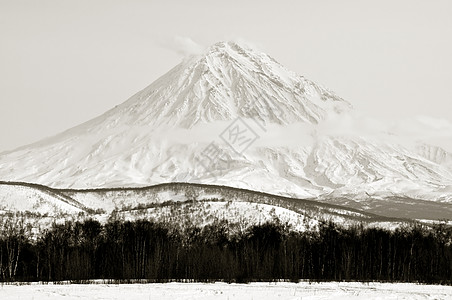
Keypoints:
pixel 220 291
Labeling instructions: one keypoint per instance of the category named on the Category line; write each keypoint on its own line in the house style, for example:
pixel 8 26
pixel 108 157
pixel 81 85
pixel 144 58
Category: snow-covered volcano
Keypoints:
pixel 231 116
pixel 227 82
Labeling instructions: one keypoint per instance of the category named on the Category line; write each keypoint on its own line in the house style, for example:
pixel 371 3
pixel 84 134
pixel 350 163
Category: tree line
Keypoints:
pixel 156 251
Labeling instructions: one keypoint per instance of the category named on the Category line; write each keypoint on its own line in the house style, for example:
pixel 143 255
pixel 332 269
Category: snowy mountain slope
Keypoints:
pixel 161 135
pixel 36 199
pixel 127 198
pixel 179 203
pixel 243 214
pixel 435 154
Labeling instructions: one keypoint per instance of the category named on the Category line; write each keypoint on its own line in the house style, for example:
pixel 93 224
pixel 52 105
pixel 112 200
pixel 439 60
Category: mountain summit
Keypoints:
pixel 159 134
pixel 226 82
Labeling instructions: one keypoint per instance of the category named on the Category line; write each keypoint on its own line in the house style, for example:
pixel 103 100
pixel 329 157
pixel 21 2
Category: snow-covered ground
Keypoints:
pixel 219 291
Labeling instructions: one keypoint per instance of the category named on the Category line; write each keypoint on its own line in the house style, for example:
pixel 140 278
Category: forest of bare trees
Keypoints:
pixel 127 250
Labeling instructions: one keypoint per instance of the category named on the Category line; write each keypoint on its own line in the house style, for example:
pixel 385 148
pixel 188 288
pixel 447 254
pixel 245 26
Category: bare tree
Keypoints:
pixel 14 231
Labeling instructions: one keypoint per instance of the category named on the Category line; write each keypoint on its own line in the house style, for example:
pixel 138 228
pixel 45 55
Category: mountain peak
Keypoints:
pixel 227 82
pixel 223 46
pixel 232 52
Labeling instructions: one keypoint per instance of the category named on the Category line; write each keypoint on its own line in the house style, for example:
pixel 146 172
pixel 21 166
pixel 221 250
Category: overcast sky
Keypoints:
pixel 65 62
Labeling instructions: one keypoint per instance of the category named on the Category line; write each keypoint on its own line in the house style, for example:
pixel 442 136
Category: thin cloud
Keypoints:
pixel 404 131
pixel 184 46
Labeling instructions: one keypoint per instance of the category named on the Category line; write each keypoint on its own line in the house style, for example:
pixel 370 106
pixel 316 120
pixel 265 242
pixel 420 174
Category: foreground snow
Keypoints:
pixel 261 291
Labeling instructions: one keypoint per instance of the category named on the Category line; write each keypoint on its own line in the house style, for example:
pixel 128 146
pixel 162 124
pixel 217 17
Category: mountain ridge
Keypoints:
pixel 147 196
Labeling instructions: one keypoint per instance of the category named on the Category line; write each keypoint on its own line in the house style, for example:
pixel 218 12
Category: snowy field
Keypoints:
pixel 220 291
